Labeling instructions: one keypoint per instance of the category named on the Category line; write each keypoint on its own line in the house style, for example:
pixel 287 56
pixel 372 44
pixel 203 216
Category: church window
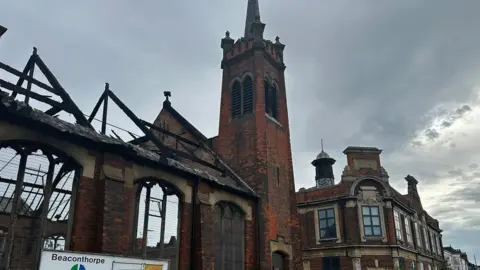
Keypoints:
pixel 242 97
pixel 271 93
pixel 326 220
pixel 229 237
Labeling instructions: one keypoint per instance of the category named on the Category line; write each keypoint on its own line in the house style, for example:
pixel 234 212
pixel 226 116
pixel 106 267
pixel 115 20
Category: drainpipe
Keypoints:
pixel 260 233
pixel 193 241
pixel 344 227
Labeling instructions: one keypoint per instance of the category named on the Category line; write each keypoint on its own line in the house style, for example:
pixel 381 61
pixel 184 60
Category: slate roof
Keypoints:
pixel 21 113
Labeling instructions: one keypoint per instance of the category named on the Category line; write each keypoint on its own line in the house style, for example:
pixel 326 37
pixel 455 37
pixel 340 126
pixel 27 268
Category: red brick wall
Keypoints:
pixel 255 146
pixel 85 219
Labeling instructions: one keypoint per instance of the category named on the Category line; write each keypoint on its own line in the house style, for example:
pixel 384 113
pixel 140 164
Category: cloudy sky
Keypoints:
pixel 399 75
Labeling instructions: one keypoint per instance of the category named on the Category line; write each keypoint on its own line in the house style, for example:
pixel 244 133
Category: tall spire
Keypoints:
pixel 253 14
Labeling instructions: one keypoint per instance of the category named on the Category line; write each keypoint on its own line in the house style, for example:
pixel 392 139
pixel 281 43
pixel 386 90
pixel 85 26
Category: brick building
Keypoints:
pixel 88 191
pixel 362 222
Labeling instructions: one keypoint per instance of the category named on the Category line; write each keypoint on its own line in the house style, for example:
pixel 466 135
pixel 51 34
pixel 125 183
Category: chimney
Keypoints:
pixel 413 195
pixel 362 161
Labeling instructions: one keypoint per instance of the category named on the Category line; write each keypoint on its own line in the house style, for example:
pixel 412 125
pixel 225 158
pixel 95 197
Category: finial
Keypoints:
pixel 277 39
pixel 107 86
pixel 321 140
pixel 34 50
pixel 167 94
pixel 227 34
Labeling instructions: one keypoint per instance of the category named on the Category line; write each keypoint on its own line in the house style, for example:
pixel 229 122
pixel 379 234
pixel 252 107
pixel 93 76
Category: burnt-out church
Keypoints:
pixel 230 199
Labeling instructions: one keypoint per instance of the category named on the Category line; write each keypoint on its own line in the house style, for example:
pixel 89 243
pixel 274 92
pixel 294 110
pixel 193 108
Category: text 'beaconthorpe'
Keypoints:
pixel 80 259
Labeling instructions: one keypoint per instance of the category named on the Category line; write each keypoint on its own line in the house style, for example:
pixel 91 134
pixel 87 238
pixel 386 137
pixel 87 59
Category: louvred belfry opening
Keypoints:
pixel 236 100
pixel 254 133
pixel 247 95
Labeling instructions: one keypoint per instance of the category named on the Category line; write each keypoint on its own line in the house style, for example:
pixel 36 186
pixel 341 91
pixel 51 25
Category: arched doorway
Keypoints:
pixel 279 261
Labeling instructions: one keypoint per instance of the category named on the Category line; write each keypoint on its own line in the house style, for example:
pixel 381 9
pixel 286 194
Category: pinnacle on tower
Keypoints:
pixel 253 15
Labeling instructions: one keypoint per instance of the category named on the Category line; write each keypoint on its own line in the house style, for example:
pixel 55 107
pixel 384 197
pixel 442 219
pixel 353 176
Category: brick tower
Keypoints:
pixel 254 136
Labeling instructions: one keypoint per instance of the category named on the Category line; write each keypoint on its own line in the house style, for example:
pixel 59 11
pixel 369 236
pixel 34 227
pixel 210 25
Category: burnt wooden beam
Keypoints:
pixel 169 133
pixel 164 150
pixel 77 113
pixel 44 211
pixel 131 134
pixel 97 107
pixel 10 181
pixel 53 110
pixel 14 210
pixel 30 77
pixel 162 226
pixel 139 140
pixel 196 159
pixel 42 98
pixel 116 135
pixel 145 223
pixel 21 79
pixel 105 111
pixel 23 76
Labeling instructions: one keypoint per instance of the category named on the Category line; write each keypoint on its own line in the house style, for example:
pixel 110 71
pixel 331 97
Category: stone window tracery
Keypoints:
pixel 229 237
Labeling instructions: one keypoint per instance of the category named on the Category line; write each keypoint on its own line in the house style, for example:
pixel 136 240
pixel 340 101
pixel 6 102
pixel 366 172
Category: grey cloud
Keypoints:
pixel 358 73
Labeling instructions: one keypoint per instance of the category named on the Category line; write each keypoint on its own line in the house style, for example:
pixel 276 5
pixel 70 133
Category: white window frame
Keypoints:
pixel 317 223
pixel 439 247
pixel 434 242
pixel 427 241
pixel 420 266
pixel 398 225
pixel 418 236
pixel 408 230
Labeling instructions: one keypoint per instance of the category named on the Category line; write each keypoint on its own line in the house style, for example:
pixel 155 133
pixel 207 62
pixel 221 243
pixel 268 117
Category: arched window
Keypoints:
pixel 157 219
pixel 229 237
pixel 242 97
pixel 236 100
pixel 270 98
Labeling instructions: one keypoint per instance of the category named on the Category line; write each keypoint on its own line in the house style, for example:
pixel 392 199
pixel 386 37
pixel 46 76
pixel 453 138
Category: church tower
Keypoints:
pixel 254 136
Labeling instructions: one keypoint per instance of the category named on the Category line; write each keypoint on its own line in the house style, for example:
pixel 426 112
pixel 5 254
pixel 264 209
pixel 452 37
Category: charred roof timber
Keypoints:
pixel 2 30
pixel 20 112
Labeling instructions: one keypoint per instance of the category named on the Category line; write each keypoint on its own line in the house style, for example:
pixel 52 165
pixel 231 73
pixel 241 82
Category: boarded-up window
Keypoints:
pixel 229 237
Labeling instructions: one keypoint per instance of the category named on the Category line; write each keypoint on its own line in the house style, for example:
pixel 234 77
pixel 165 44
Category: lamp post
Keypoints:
pixel 2 30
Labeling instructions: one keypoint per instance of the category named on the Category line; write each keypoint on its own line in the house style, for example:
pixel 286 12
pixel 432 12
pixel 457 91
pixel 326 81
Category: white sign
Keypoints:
pixel 65 260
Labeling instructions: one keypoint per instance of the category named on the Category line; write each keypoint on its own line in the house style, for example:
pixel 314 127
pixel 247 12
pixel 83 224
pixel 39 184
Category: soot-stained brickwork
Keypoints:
pixel 235 193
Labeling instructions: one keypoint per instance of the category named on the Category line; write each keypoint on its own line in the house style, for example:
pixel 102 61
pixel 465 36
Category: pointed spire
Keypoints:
pixel 253 15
